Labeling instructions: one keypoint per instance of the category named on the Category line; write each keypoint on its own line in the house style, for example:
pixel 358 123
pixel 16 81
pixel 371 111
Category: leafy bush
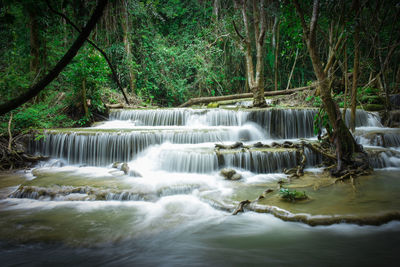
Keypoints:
pixel 317 102
pixel 36 116
pixel 292 195
pixel 321 120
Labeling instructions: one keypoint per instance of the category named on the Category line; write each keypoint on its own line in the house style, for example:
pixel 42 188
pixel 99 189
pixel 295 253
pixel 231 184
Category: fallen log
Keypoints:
pixel 206 100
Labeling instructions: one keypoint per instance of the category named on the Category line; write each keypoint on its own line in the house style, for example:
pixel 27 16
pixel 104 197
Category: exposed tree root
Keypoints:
pixel 357 166
pixel 12 158
pixel 240 207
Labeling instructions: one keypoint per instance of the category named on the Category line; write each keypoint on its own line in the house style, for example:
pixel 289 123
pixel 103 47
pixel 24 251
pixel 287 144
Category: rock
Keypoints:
pixel 275 144
pixel 125 168
pixel 269 190
pixel 57 163
pixel 258 144
pixel 35 172
pixel 227 173
pixel 116 173
pixel 116 164
pixel 236 177
pixel 134 173
pixel 236 145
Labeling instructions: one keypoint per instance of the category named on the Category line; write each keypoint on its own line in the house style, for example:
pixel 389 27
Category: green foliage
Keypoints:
pixel 321 121
pixel 292 195
pixel 316 101
pixel 88 66
pixel 36 116
pixel 179 50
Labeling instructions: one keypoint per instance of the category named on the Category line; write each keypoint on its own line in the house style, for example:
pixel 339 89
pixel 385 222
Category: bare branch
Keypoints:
pixel 334 53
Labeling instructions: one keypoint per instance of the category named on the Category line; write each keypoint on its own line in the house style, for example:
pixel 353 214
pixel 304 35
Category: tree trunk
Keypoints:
pixel 84 99
pixel 64 61
pixel 34 43
pixel 346 85
pixel 291 72
pixel 215 12
pixel 126 31
pixel 255 77
pixel 342 138
pixel 276 49
pixel 355 70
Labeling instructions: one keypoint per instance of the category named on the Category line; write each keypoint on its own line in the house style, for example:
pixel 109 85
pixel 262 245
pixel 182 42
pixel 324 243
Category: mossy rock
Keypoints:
pixel 374 107
pixel 213 105
pixel 372 99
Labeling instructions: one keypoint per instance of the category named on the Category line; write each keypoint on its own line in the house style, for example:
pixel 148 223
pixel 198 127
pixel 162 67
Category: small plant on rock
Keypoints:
pixel 292 195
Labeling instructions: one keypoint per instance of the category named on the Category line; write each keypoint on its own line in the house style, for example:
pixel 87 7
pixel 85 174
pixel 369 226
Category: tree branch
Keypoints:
pixel 334 52
pixel 114 73
pixel 314 19
pixel 237 31
pixel 302 21
pixel 64 61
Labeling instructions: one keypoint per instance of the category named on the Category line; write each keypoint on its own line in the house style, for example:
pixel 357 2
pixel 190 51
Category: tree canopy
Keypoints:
pixel 168 51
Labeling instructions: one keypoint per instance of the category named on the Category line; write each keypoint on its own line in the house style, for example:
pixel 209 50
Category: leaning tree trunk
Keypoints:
pixel 64 61
pixel 342 138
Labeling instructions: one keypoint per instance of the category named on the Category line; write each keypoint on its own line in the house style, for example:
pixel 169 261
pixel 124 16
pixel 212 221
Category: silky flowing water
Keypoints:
pixel 172 208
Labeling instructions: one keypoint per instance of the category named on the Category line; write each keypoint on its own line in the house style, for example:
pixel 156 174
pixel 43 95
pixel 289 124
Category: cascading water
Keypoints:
pixel 136 130
pixel 148 182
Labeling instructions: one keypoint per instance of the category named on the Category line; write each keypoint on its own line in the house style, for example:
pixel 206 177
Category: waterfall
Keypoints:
pixel 146 128
pixel 186 161
pixel 180 117
pixel 383 139
pixel 285 123
pixel 384 159
pixel 363 119
pixel 261 162
pixel 101 149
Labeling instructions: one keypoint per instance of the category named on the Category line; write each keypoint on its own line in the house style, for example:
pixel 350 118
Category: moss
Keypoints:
pixel 373 107
pixel 374 99
pixel 213 105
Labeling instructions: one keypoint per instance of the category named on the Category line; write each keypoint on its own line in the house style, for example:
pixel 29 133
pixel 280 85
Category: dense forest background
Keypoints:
pixel 168 51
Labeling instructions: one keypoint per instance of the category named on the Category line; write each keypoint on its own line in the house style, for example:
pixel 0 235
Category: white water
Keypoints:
pixel 169 208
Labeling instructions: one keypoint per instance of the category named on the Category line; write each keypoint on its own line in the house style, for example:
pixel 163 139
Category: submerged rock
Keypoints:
pixel 230 174
pixel 134 173
pixel 125 168
pixel 116 164
pixel 236 177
